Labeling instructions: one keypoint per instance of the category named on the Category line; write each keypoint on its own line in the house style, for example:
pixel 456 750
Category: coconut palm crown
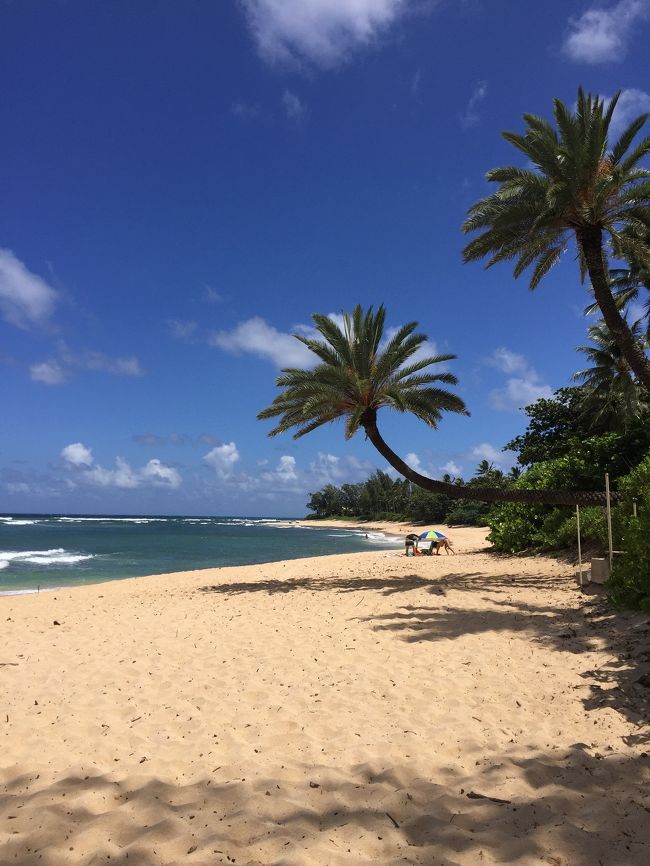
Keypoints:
pixel 577 186
pixel 358 374
pixel 612 393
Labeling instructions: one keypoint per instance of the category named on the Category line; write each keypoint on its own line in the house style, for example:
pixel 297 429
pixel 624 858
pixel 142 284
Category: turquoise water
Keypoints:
pixel 50 551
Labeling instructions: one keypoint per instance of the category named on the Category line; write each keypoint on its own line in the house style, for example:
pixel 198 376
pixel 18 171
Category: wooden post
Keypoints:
pixel 609 523
pixel 579 547
pixel 634 507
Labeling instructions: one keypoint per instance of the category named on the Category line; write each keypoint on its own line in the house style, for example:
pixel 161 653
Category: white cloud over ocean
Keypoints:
pixel 79 458
pixel 222 458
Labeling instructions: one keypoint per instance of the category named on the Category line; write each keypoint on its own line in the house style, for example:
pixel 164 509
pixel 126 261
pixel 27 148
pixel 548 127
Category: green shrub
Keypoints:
pixel 629 585
pixel 593 528
pixel 468 512
pixel 515 527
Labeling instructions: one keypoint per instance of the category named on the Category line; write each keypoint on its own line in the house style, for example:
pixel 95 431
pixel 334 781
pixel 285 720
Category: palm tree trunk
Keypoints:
pixel 591 244
pixel 486 494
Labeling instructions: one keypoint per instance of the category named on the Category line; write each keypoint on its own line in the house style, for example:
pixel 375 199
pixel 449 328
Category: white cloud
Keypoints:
pixel 330 469
pixel 413 461
pixel 56 371
pixel 293 105
pixel 520 390
pixel 261 339
pixel 182 330
pixel 452 468
pixel 160 475
pixel 470 116
pixel 98 362
pixel 25 299
pixel 507 361
pixel 321 31
pixel 122 476
pixel 600 35
pixel 222 459
pixel 48 372
pixel 501 459
pixel 485 451
pixel 154 473
pixel 77 454
pixel 284 473
pixel 212 296
pixel 631 103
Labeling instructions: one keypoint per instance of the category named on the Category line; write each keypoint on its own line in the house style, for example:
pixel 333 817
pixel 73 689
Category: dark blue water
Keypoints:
pixel 53 551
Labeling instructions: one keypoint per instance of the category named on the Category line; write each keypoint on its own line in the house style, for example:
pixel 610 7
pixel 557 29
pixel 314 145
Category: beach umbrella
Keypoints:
pixel 432 535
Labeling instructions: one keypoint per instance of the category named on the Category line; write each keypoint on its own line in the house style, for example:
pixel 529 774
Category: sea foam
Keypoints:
pixel 55 556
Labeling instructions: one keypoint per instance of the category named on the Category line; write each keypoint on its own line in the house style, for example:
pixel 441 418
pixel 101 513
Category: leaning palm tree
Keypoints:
pixel 628 283
pixel 358 375
pixel 611 393
pixel 576 186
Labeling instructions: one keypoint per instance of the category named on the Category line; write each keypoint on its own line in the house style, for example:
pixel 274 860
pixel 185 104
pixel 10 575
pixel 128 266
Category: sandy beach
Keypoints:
pixel 349 709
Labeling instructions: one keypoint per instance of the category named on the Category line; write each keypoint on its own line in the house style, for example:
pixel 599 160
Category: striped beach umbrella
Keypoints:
pixel 432 535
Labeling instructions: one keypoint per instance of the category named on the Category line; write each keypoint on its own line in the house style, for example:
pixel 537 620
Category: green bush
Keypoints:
pixel 593 528
pixel 629 585
pixel 516 527
pixel 467 512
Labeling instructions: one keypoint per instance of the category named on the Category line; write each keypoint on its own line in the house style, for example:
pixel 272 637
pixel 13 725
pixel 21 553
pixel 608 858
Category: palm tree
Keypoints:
pixel 579 187
pixel 626 283
pixel 611 392
pixel 357 376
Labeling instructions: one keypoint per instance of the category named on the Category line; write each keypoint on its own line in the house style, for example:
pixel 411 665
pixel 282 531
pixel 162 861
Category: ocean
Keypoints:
pixel 51 551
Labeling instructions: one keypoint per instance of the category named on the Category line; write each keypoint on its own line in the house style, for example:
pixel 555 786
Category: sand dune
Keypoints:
pixel 354 709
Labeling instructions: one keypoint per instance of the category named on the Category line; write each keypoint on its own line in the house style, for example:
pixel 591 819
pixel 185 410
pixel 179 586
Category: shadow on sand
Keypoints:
pixel 622 683
pixel 565 809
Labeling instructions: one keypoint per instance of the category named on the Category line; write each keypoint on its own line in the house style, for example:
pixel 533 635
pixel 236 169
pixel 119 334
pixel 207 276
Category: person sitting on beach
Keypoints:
pixel 445 543
pixel 410 543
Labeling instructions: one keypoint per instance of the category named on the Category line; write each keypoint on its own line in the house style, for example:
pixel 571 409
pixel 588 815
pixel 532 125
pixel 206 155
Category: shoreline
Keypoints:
pixel 387 529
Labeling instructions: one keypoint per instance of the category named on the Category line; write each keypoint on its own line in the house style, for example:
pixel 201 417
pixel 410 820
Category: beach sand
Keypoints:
pixel 351 709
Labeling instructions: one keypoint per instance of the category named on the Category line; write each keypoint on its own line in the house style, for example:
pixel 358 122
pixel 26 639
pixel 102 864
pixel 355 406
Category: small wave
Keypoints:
pixel 113 519
pixel 56 556
pixel 11 521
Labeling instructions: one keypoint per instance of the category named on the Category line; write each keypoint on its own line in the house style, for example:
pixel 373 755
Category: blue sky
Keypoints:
pixel 184 183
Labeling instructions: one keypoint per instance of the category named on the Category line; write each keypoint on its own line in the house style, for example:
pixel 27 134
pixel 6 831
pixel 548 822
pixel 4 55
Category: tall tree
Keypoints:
pixel 629 283
pixel 357 376
pixel 578 186
pixel 612 396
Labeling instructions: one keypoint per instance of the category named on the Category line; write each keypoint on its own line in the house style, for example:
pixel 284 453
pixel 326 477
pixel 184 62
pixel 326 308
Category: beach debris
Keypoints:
pixel 56 622
pixel 314 785
pixel 388 815
pixel 474 795
pixel 143 759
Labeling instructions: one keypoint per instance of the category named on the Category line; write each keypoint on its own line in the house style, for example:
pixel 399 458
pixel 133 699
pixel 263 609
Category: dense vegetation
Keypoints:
pixel 382 497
